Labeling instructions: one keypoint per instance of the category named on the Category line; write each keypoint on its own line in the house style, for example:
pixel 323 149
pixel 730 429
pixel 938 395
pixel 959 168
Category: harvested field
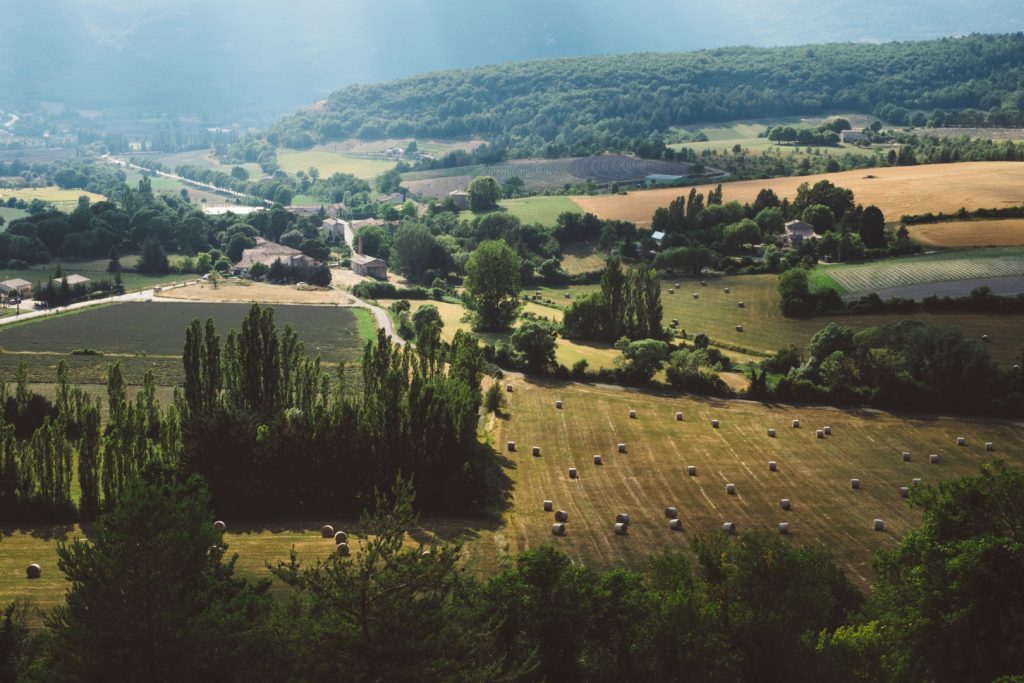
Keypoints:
pixel 896 191
pixel 916 270
pixel 996 233
pixel 330 162
pixel 581 257
pixel 246 291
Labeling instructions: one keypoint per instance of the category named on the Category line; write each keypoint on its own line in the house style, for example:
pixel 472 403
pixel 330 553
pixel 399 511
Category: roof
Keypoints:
pixel 15 283
pixel 657 235
pixel 364 260
pixel 267 252
pixel 800 228
pixel 73 279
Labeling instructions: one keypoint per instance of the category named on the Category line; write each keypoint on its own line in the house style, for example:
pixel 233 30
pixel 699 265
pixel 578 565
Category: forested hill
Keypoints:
pixel 588 104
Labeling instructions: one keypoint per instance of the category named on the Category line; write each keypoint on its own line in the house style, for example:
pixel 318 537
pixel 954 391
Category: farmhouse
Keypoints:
pixel 852 136
pixel 266 253
pixel 73 280
pixel 334 227
pixel 658 236
pixel 797 232
pixel 662 180
pixel 16 286
pixel 460 198
pixel 393 198
pixel 369 265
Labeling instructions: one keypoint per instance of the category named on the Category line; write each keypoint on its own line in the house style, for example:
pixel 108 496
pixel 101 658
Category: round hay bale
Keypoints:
pixel 676 285
pixel 739 304
pixel 989 446
pixel 622 518
pixel 511 446
pixel 725 289
pixel 561 516
pixel 572 472
pixel 342 549
pixel 508 388
pixel 672 512
pixel 729 527
pixel 905 456
pixel 558 405
pixel 597 460
pixel 675 524
pixel 961 441
pixel 771 433
pixel 558 529
pixel 621 529
pixel 425 553
pixel 820 433
pixel 679 417
pixel 671 291
pixel 739 328
pixel 675 322
pixel 622 448
pixel 568 295
pixel 904 492
pixel 33 571
pixel 536 450
pixel 934 458
pixel 219 526
pixel 714 424
pixel 730 489
pixel 783 527
pixel 548 506
pixel 796 424
pixel 703 283
pixel 855 483
pixel 827 430
pixel 327 531
pixel 691 470
pixel 879 525
pixel 984 338
pixel 785 504
pixel 632 414
pixel 773 466
pixel 916 481
pixel 340 537
pixel 696 295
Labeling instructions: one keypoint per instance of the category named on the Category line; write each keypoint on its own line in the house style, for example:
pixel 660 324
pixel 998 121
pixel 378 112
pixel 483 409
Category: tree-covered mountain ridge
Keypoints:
pixel 589 104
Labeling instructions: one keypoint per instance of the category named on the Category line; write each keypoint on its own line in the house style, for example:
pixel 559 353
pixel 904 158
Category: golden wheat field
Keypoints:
pixel 897 191
pixel 996 233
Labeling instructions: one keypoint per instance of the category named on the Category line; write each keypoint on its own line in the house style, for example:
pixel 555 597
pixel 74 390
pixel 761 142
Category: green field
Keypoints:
pixel 10 214
pixel 723 136
pixel 765 329
pixel 96 269
pixel 330 162
pixel 543 210
pixel 937 267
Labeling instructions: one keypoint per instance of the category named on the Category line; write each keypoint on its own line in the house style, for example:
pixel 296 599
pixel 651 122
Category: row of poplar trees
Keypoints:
pixel 628 305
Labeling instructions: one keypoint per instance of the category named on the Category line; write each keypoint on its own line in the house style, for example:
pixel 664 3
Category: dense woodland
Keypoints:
pixel 563 107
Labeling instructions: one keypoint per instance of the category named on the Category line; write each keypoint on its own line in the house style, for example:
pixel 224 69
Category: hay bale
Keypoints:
pixel 739 304
pixel 783 527
pixel 879 525
pixel 679 417
pixel 785 504
pixel 989 446
pixel 675 524
pixel 558 529
pixel 622 448
pixel 916 481
pixel 672 512
pixel 855 483
pixel 796 424
pixel 535 450
pixel 729 527
pixel 703 283
pixel 827 430
pixel 340 537
pixel 568 295
pixel 511 446
pixel 671 291
pixel 342 549
pixel 219 526
pixel 425 553
pixel 548 506
pixel 904 492
pixel 33 571
pixel 632 414
pixel 691 470
pixel 984 338
pixel 771 433
pixel 327 531
pixel 561 516
pixel 558 405
pixel 725 289
pixel 714 424
pixel 820 433
pixel 622 518
pixel 961 441
pixel 773 466
pixel 934 458
pixel 621 529
pixel 508 388
pixel 696 295
pixel 730 489
pixel 739 328
pixel 906 456
pixel 675 322
pixel 597 460
pixel 572 472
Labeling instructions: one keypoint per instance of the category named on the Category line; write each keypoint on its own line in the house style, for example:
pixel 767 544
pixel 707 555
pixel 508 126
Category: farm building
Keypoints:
pixel 334 227
pixel 266 253
pixel 460 198
pixel 852 136
pixel 662 180
pixel 73 280
pixel 16 286
pixel 369 265
pixel 797 232
pixel 658 236
pixel 393 198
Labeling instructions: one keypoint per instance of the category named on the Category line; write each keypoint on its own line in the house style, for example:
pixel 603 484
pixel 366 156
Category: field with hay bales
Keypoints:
pixel 897 191
pixel 995 233
pixel 813 473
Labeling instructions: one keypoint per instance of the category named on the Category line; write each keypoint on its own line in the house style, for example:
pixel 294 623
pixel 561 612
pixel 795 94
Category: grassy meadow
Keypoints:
pixel 329 162
pixel 543 210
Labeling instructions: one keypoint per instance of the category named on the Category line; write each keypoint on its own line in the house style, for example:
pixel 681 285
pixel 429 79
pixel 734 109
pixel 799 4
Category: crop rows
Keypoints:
pixel 899 273
pixel 619 168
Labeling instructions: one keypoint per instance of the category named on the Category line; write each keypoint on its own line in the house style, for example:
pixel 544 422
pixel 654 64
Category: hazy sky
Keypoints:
pixel 267 57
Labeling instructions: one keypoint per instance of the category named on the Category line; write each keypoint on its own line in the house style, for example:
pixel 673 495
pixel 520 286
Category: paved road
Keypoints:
pixel 379 315
pixel 143 295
